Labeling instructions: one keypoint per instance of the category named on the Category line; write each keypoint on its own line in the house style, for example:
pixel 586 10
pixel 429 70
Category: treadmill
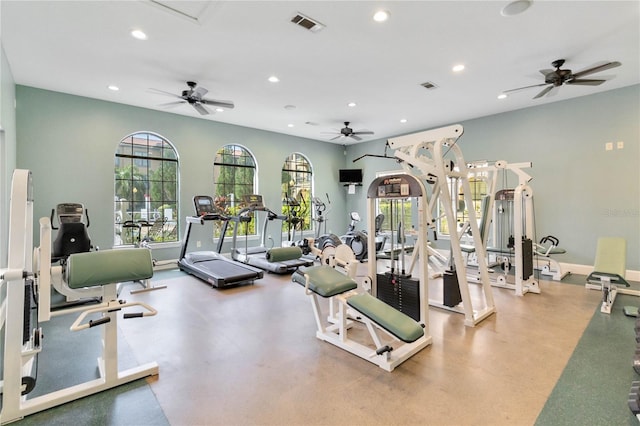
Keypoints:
pixel 257 256
pixel 210 266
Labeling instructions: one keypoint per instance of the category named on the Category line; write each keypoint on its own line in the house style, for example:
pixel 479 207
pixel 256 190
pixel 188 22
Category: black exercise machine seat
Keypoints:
pixel 72 234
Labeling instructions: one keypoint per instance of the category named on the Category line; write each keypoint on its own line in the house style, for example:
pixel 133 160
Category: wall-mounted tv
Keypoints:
pixel 350 175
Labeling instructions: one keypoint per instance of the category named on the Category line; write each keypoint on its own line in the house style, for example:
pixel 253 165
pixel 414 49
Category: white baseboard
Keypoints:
pixel 574 268
pixel 162 265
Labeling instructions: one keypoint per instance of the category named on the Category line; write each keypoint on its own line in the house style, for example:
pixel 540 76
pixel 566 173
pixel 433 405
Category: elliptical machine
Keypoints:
pixel 324 240
pixel 357 240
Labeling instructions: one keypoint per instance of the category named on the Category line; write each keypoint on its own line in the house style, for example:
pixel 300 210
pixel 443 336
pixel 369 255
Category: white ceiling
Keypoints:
pixel 232 47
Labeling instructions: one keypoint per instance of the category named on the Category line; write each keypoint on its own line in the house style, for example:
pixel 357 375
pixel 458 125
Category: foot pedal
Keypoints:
pixel 631 311
pixel 384 349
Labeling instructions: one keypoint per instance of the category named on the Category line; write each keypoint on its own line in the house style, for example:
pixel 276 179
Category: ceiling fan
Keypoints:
pixel 194 96
pixel 558 77
pixel 347 132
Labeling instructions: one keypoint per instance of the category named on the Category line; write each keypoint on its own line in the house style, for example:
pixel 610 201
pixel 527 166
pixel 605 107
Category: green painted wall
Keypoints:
pixel 7 148
pixel 581 191
pixel 69 143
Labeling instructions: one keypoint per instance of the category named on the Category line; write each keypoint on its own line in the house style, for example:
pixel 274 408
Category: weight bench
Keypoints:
pixel 106 269
pixel 100 270
pixel 609 271
pixel 407 334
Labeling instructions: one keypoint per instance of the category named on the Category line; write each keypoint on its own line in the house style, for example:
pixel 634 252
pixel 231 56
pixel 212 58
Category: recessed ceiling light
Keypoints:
pixel 515 7
pixel 458 68
pixel 139 34
pixel 113 87
pixel 290 125
pixel 404 120
pixel 351 104
pixel 502 96
pixel 219 109
pixel 381 16
pixel 273 79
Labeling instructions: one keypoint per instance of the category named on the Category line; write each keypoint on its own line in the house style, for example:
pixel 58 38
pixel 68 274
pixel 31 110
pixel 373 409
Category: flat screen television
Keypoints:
pixel 350 175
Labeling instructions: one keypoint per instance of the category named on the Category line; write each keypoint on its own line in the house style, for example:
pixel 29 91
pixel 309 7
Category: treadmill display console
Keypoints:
pixel 204 205
pixel 252 201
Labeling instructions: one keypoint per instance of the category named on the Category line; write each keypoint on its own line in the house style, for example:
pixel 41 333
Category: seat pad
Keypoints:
pixel 392 320
pixel 324 280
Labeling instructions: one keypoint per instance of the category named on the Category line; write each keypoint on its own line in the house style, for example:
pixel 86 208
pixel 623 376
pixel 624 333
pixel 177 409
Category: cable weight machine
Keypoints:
pixel 435 157
pixel 397 287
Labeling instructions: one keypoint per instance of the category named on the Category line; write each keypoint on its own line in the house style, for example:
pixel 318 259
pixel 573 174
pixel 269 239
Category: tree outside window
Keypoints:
pixel 234 175
pixel 297 180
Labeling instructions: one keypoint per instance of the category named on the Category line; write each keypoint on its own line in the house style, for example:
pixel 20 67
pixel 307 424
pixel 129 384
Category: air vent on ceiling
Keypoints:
pixel 428 85
pixel 307 23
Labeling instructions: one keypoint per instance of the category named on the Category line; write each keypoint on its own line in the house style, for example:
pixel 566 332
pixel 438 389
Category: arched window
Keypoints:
pixel 234 176
pixel 146 190
pixel 297 178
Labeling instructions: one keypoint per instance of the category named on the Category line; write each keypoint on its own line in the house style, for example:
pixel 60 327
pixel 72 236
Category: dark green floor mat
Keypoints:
pixel 594 386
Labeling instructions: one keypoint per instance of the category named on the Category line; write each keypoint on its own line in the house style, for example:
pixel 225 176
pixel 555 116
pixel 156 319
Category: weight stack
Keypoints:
pixel 527 258
pixel 451 290
pixel 400 292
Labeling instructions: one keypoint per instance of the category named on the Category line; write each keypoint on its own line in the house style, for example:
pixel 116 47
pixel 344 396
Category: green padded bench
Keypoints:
pixel 611 261
pixel 328 282
pixel 108 267
pixel 392 320
pixel 324 280
pixel 281 254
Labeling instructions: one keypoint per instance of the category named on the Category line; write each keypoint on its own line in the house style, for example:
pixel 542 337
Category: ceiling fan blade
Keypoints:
pixel 199 92
pixel 337 137
pixel 544 92
pixel 553 92
pixel 215 102
pixel 363 132
pixel 545 72
pixel 596 69
pixel 586 82
pixel 174 103
pixel 354 136
pixel 525 87
pixel 201 109
pixel 162 92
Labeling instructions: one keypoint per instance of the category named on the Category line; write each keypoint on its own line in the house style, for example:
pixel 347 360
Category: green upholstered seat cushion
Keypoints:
pixel 108 266
pixel 324 280
pixel 392 320
pixel 554 250
pixel 281 254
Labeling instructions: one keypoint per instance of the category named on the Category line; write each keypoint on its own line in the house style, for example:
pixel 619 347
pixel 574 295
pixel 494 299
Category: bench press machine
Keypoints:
pixel 22 281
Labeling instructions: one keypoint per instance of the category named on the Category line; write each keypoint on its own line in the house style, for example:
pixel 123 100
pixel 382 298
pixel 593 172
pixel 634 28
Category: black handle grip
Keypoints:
pixel 133 315
pixel 553 240
pixel 100 321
